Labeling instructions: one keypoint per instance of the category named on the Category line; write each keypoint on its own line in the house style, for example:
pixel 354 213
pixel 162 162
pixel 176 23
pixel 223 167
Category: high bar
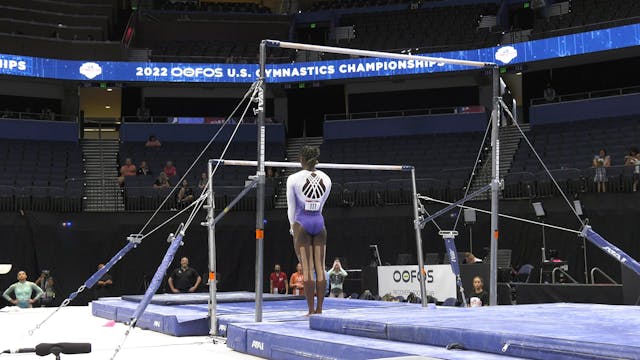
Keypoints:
pixel 284 164
pixel 369 53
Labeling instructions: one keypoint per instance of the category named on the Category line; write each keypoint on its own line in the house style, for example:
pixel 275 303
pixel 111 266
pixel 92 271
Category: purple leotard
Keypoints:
pixel 307 191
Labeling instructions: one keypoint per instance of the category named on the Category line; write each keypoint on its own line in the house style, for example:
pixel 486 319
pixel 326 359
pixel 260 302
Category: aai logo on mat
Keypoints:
pixel 258 345
pixel 506 54
pixel 90 70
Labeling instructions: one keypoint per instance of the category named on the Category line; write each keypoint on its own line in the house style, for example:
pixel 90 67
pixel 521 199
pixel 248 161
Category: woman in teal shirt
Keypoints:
pixel 22 291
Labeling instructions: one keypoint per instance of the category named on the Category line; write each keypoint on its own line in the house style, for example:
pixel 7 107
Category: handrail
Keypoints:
pixel 601 273
pixel 21 115
pixel 395 113
pixel 553 275
pixel 587 95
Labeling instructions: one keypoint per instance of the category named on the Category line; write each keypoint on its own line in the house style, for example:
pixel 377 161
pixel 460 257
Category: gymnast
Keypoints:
pixel 307 191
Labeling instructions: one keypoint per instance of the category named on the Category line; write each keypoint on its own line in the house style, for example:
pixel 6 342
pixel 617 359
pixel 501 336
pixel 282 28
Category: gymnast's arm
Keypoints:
pixel 327 192
pixel 38 291
pixel 9 291
pixel 291 200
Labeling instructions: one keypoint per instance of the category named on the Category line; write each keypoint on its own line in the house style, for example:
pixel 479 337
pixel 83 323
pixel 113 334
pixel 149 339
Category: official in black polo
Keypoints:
pixel 184 279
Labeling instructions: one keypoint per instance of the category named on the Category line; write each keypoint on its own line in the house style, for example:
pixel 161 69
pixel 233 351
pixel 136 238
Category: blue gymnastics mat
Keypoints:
pixel 297 341
pixel 192 319
pixel 203 298
pixel 543 331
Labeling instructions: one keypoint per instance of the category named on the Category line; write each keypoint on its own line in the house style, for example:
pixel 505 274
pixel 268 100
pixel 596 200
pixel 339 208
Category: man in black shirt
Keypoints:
pixel 103 286
pixel 184 279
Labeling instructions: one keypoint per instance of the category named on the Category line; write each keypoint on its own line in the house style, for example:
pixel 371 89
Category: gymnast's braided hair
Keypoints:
pixel 309 156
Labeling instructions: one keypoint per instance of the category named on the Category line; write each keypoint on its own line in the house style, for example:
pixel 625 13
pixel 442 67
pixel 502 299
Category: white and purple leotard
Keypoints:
pixel 307 192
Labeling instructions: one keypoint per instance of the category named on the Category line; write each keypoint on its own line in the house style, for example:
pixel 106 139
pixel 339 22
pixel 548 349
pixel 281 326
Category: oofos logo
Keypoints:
pixel 409 276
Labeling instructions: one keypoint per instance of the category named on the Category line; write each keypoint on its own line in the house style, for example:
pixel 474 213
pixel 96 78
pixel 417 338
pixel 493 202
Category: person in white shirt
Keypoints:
pixel 307 192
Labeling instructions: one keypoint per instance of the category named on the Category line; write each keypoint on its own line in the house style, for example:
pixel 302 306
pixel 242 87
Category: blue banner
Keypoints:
pixel 550 48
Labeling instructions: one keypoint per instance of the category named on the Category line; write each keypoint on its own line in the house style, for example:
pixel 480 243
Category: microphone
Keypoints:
pixel 62 348
pixel 19 351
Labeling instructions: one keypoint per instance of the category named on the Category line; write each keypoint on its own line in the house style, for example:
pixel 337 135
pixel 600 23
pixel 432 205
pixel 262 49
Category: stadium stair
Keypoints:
pixel 102 193
pixel 293 155
pixel 509 140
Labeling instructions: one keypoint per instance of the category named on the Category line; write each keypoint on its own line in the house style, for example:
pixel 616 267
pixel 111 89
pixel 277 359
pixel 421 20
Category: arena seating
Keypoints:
pixel 586 15
pixel 567 149
pixel 43 175
pixel 422 28
pixel 228 182
pixel 225 7
pixel 441 169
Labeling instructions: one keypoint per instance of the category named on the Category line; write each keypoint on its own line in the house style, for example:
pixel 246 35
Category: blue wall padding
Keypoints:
pixel 606 107
pixel 38 130
pixel 140 132
pixel 405 126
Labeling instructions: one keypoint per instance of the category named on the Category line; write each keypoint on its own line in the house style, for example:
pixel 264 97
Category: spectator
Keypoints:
pixel 601 162
pixel 478 297
pixel 278 281
pixel 633 159
pixel 471 259
pixel 6 113
pixel 128 169
pixel 162 182
pixel 103 286
pixel 296 283
pixel 549 93
pixel 143 169
pixel 23 292
pixel 169 169
pixel 46 283
pixel 143 114
pixel 202 183
pixel 269 172
pixel 153 142
pixel 185 195
pixel 336 278
pixel 184 279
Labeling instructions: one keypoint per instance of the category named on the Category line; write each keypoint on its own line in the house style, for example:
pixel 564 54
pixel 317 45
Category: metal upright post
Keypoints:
pixel 213 286
pixel 416 215
pixel 261 180
pixel 495 184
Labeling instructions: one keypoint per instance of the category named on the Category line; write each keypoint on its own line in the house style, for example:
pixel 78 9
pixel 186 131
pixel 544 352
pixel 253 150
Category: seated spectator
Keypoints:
pixel 162 182
pixel 128 169
pixel 633 159
pixel 185 195
pixel 202 183
pixel 143 169
pixel 153 142
pixel 471 259
pixel 601 162
pixel 478 297
pixel 169 169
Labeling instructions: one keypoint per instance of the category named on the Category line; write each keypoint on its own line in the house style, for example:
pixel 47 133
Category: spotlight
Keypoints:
pixel 537 207
pixel 66 224
pixel 578 207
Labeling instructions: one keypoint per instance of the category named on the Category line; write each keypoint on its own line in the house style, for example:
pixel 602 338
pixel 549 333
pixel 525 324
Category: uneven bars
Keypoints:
pixel 502 215
pixel 284 164
pixel 379 54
